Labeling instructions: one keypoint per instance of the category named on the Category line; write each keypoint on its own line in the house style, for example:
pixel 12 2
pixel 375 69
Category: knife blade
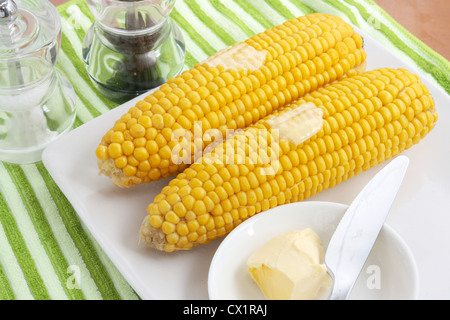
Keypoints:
pixel 358 229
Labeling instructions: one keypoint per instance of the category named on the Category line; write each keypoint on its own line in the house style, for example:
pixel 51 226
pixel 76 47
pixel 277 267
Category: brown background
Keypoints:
pixel 426 19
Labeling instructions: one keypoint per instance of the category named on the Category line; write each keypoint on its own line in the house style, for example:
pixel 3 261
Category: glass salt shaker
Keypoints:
pixel 133 46
pixel 37 102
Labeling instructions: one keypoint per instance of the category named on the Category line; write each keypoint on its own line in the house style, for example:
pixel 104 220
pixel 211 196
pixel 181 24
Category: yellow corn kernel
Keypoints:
pixel 102 152
pixel 141 154
pixel 130 170
pixel 172 217
pixel 167 227
pixel 115 150
pixel 156 221
pixel 121 162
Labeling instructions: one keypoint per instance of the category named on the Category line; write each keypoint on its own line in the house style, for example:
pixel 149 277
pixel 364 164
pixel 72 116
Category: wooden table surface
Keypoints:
pixel 428 20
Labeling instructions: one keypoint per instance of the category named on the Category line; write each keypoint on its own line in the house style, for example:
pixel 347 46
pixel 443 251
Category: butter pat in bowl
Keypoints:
pixel 290 266
pixel 390 271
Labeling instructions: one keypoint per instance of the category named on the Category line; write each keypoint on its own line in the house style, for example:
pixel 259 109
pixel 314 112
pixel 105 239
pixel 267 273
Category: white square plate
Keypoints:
pixel 420 214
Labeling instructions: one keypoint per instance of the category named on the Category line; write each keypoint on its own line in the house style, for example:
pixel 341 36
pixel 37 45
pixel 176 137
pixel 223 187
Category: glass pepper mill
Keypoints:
pixel 37 102
pixel 133 46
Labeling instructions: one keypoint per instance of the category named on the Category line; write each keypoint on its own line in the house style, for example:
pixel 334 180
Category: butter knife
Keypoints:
pixel 358 229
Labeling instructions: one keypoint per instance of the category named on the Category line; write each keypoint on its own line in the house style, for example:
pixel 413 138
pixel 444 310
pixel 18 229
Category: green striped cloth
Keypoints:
pixel 45 251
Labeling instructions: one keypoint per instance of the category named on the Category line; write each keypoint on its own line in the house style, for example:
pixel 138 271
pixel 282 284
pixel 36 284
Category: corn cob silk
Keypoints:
pixel 231 90
pixel 326 137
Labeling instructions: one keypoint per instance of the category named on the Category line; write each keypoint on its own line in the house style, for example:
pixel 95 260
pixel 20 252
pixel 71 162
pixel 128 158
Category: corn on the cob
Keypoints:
pixel 231 90
pixel 364 120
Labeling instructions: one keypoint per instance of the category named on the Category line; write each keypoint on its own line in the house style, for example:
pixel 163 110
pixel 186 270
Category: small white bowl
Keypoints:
pixel 390 272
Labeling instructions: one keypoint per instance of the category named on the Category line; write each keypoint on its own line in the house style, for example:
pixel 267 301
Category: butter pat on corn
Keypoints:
pixel 290 266
pixel 299 124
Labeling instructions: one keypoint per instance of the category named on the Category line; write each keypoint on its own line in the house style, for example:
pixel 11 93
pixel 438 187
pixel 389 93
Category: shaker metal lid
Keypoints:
pixel 8 11
pixel 26 26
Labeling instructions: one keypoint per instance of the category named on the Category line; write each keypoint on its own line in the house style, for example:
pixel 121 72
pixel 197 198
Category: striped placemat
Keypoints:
pixel 45 251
